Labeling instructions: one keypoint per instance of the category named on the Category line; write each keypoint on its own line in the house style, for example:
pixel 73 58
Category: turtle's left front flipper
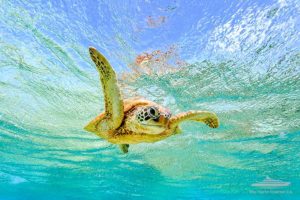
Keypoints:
pixel 206 117
pixel 114 109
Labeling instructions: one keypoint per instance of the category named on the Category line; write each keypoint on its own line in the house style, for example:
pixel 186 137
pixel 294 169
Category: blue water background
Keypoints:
pixel 241 59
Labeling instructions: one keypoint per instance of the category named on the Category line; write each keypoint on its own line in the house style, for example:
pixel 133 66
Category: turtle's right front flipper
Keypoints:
pixel 114 110
pixel 209 118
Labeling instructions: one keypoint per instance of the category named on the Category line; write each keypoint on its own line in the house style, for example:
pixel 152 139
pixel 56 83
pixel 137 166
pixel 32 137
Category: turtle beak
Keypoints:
pixel 162 120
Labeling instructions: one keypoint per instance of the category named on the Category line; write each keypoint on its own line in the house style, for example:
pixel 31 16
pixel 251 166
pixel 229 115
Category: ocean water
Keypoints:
pixel 239 59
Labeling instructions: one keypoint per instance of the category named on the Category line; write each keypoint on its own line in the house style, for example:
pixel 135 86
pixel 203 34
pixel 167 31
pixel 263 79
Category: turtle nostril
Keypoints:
pixel 168 115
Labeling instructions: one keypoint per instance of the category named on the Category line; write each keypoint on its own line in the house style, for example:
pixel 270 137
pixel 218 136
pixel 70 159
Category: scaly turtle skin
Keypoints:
pixel 135 121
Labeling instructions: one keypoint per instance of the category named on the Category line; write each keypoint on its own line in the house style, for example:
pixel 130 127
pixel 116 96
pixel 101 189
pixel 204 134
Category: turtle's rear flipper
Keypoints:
pixel 124 147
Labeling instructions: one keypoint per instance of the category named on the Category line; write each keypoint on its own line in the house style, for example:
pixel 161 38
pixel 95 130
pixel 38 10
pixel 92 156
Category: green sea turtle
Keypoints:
pixel 135 121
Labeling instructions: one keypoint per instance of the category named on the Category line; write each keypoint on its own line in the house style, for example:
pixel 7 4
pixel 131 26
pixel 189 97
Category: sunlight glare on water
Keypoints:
pixel 239 59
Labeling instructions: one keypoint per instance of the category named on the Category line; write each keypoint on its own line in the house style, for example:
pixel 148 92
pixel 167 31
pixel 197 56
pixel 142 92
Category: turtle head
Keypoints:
pixel 150 119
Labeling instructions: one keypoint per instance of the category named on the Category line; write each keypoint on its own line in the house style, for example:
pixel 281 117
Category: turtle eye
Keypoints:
pixel 153 112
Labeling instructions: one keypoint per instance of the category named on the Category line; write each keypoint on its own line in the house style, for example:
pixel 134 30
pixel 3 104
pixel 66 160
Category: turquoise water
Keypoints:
pixel 240 59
